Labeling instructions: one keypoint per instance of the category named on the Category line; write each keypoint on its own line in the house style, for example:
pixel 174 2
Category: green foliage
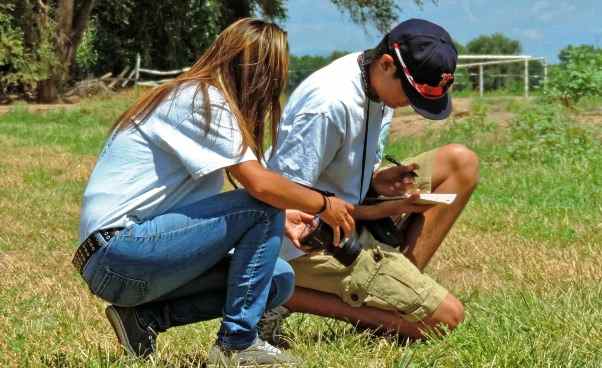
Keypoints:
pixel 545 133
pixel 537 176
pixel 86 55
pixel 472 127
pixel 156 30
pixel 578 75
pixel 496 43
pixel 300 67
pixel 381 13
pixel 13 58
pixel 22 66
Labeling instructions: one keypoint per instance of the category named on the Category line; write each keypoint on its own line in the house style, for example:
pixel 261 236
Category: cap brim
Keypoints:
pixel 438 109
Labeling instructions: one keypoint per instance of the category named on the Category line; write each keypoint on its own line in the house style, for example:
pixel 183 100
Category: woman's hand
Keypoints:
pixel 297 225
pixel 338 215
pixel 395 180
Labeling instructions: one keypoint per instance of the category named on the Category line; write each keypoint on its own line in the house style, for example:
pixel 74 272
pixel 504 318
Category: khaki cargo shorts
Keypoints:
pixel 381 277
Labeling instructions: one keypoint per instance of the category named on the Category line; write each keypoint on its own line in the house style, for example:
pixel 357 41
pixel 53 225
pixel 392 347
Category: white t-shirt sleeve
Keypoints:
pixel 308 148
pixel 199 148
pixel 383 136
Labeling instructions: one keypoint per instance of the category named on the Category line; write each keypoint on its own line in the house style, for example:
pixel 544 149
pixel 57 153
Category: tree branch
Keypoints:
pixel 81 21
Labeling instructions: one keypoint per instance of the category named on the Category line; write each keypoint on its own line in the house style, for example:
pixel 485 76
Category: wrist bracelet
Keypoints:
pixel 325 205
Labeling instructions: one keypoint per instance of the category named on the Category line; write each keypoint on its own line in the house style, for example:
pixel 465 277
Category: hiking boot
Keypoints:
pixel 269 327
pixel 260 354
pixel 135 338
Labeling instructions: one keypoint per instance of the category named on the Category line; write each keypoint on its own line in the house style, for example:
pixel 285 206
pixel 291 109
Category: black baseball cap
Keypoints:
pixel 426 59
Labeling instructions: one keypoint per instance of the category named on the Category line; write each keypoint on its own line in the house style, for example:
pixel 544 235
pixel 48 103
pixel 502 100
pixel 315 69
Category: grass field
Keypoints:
pixel 524 257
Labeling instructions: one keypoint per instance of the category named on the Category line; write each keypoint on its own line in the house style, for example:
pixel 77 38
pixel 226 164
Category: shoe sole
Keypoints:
pixel 221 362
pixel 250 365
pixel 115 321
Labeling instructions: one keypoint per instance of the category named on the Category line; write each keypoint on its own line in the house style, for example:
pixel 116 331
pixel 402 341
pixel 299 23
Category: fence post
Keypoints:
pixel 481 82
pixel 526 78
pixel 137 76
pixel 545 72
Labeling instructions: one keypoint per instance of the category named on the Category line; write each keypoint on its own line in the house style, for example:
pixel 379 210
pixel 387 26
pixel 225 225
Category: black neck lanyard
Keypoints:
pixel 366 124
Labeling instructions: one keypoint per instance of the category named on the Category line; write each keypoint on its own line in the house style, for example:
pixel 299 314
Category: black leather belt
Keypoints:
pixel 90 246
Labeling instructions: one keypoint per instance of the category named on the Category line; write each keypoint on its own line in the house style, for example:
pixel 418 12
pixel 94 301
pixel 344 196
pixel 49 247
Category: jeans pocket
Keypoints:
pixel 119 289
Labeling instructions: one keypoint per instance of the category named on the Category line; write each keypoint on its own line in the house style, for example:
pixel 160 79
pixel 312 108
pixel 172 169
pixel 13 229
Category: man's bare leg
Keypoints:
pixel 456 170
pixel 450 313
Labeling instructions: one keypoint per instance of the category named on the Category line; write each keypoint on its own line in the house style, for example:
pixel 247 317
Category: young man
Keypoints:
pixel 331 138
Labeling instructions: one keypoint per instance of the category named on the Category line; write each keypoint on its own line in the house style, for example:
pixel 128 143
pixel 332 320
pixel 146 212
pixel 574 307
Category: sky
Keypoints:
pixel 544 27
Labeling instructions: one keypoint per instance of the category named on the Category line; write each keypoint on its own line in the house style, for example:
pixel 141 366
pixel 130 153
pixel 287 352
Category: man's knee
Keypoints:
pixel 462 163
pixel 449 313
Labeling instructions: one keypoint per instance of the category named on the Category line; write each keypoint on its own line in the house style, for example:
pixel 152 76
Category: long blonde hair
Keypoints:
pixel 248 63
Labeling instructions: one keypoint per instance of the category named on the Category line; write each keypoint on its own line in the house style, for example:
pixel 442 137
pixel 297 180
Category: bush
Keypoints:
pixel 471 128
pixel 545 133
pixel 14 60
pixel 86 56
pixel 579 74
pixel 20 68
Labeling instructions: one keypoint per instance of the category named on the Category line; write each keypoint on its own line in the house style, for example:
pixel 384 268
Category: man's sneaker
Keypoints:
pixel 135 339
pixel 269 327
pixel 260 354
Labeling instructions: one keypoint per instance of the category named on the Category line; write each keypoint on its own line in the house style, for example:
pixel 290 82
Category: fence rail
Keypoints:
pixel 503 59
pixel 482 62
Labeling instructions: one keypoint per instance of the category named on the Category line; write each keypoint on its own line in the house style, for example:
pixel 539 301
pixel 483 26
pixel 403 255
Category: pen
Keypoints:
pixel 392 160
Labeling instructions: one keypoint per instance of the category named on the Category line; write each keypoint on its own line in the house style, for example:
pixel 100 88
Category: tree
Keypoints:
pixel 495 44
pixel 167 33
pixel 300 67
pixel 155 30
pixel 64 22
pixel 579 74
pixel 571 53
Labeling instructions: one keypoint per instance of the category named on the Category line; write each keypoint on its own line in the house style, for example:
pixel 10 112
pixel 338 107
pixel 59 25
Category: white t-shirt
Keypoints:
pixel 322 133
pixel 169 161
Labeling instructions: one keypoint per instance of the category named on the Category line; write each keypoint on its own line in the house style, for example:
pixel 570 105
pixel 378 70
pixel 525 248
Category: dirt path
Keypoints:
pixel 407 123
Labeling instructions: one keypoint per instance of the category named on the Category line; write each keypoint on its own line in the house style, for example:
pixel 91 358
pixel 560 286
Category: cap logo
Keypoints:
pixel 446 78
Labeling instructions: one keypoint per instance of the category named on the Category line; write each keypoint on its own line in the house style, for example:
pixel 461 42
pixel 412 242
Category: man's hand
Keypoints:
pixel 391 208
pixel 296 226
pixel 395 180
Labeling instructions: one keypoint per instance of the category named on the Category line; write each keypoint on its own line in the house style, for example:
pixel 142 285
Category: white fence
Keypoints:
pixel 487 60
pixel 484 61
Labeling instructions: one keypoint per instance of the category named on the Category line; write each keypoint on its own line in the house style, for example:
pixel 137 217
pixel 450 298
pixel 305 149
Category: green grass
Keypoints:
pixel 524 257
pixel 80 131
pixel 540 178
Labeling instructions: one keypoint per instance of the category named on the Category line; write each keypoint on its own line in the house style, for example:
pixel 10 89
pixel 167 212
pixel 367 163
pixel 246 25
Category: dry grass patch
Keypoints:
pixel 472 261
pixel 64 166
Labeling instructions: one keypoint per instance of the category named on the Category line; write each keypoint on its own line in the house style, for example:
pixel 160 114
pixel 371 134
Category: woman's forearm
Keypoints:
pixel 275 189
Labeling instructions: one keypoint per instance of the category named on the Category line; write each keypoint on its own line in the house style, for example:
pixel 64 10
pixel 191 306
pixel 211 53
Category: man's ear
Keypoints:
pixel 387 64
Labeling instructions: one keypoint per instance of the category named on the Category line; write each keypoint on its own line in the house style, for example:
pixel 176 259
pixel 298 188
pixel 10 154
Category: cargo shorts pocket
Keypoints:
pixel 384 280
pixel 119 289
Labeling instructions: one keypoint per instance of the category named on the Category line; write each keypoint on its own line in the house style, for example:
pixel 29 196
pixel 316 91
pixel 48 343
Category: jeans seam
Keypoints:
pixel 260 252
pixel 182 229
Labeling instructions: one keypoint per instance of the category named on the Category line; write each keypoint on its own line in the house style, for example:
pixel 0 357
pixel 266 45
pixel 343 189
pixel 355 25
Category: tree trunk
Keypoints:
pixel 48 91
pixel 71 23
pixel 232 10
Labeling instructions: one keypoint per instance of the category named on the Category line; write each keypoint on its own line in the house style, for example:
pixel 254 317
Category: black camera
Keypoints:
pixel 321 238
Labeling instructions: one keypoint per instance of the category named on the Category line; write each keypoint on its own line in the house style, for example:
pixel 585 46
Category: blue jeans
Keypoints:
pixel 175 268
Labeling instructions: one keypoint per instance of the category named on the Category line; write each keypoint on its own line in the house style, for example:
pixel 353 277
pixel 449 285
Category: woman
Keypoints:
pixel 159 240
